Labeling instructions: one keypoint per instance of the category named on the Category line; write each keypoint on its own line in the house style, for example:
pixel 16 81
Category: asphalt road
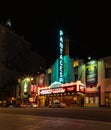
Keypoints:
pixel 29 122
pixel 54 119
pixel 98 114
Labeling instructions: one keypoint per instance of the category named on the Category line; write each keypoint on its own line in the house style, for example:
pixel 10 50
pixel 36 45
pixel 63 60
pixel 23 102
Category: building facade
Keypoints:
pixel 16 60
pixel 96 75
pixel 104 81
pixel 95 91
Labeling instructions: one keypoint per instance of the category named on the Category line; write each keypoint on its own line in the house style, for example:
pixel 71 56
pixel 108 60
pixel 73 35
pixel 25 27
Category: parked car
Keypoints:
pixel 22 105
pixel 11 106
pixel 57 105
pixel 34 105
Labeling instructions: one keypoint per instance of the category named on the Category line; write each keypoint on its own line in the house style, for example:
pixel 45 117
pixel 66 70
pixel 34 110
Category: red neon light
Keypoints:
pixel 70 89
pixel 58 90
pixel 33 88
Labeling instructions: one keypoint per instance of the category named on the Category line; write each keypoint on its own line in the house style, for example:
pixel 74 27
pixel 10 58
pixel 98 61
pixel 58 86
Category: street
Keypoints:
pixel 54 118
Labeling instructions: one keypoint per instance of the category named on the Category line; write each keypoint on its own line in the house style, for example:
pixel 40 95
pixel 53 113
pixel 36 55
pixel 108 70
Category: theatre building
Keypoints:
pixel 62 85
pixel 75 81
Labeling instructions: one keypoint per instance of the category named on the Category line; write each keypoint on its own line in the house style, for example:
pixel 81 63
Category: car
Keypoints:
pixel 57 105
pixel 34 105
pixel 22 105
pixel 11 106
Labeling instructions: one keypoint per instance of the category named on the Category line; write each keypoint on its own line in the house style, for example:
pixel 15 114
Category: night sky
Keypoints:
pixel 39 23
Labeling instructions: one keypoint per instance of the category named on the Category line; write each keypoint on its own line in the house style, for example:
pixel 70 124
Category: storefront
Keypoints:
pixel 92 97
pixel 108 99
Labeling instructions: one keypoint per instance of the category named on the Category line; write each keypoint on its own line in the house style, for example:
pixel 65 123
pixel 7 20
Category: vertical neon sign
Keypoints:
pixel 61 78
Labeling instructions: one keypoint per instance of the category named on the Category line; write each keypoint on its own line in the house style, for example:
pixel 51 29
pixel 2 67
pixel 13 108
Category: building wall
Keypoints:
pixel 101 79
pixel 81 73
pixel 68 69
pixel 105 79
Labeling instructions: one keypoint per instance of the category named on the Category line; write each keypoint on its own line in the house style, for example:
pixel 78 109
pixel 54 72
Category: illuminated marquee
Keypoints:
pixel 64 88
pixel 50 91
pixel 61 57
pixel 58 90
pixel 47 91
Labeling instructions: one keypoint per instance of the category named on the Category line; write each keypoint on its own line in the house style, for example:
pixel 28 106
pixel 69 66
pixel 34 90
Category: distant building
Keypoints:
pixel 16 59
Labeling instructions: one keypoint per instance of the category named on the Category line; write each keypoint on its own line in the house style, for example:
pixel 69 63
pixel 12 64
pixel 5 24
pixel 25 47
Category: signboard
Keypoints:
pixel 61 46
pixel 51 91
pixel 91 72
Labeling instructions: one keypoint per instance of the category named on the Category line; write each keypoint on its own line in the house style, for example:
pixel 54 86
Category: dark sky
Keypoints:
pixel 39 23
